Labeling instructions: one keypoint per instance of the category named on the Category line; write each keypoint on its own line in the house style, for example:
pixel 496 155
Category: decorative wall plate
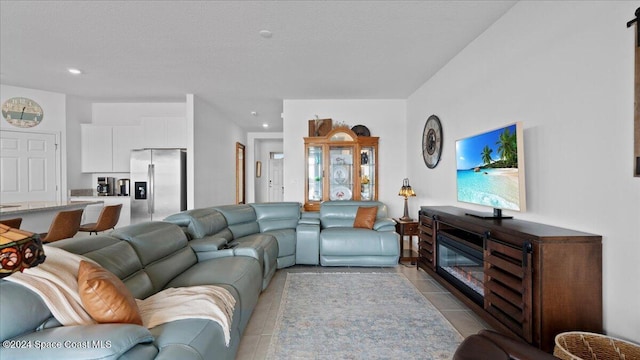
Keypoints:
pixel 340 193
pixel 22 112
pixel 340 174
pixel 361 130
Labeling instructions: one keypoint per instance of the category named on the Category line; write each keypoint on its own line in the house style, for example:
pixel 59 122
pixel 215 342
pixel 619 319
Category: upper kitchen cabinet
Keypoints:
pixel 125 139
pixel 164 132
pixel 108 148
pixel 96 144
pixel 340 166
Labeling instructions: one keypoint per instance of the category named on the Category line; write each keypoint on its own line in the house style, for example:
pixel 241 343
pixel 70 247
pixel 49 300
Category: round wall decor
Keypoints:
pixel 432 141
pixel 361 130
pixel 22 112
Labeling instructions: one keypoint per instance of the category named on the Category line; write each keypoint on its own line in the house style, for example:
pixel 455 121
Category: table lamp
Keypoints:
pixel 19 250
pixel 406 191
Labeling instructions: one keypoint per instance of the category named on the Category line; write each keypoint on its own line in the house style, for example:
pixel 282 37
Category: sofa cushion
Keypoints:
pixel 194 339
pixel 277 216
pixel 105 297
pixel 241 219
pixel 286 241
pixel 365 217
pixel 241 275
pixel 32 313
pixel 162 249
pixel 115 255
pixel 358 242
pixel 199 222
pixel 343 213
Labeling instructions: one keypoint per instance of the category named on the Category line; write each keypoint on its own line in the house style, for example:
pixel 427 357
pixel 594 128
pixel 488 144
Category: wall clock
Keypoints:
pixel 432 141
pixel 22 112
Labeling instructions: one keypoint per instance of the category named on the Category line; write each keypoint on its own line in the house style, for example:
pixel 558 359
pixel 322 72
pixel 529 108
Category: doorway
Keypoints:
pixel 276 181
pixel 240 171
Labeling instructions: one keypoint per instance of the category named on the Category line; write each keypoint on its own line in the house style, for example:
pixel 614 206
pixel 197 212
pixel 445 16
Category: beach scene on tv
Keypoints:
pixel 487 169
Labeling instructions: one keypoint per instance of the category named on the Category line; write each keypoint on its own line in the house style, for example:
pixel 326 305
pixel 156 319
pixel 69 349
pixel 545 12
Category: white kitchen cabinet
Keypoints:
pixel 96 146
pixel 164 132
pixel 108 148
pixel 125 138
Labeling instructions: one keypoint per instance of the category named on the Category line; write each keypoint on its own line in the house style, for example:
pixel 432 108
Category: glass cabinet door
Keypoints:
pixel 341 172
pixel 314 178
pixel 368 173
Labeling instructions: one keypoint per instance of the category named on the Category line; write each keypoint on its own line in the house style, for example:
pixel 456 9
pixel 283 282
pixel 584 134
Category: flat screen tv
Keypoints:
pixel 490 170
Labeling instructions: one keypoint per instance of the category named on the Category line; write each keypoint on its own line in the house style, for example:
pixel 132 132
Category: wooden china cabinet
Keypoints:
pixel 340 166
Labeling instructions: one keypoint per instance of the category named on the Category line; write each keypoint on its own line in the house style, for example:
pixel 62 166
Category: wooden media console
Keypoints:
pixel 538 280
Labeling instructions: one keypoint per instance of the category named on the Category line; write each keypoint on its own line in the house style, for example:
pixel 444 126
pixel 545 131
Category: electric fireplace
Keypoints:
pixel 460 262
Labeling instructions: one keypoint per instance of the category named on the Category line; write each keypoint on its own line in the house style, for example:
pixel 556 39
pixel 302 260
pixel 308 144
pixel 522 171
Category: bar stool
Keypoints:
pixel 64 225
pixel 12 223
pixel 108 219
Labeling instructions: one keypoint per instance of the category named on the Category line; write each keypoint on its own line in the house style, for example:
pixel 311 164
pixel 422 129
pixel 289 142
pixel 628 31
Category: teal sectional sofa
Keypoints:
pixel 237 247
pixel 148 257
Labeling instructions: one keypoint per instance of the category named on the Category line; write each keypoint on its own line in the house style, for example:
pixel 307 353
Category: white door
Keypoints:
pixel 276 184
pixel 28 167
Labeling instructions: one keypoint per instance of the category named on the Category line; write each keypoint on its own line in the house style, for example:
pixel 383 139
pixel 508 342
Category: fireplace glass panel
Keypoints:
pixel 462 266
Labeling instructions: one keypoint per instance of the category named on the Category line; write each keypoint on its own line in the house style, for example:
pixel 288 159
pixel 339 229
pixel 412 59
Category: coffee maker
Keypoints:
pixel 123 187
pixel 106 185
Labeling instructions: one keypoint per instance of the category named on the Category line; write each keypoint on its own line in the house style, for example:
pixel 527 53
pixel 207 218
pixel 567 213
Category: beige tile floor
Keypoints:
pixel 255 341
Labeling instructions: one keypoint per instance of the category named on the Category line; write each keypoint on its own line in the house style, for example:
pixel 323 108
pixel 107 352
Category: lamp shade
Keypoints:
pixel 406 189
pixel 19 250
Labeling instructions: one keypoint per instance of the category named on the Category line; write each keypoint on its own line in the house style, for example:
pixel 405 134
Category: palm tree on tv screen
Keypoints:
pixel 508 148
pixel 486 154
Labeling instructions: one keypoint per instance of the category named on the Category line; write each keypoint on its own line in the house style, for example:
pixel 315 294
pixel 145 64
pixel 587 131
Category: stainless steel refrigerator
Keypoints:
pixel 158 183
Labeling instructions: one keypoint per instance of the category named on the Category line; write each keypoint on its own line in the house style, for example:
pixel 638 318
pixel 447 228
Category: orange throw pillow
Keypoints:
pixel 105 297
pixel 365 217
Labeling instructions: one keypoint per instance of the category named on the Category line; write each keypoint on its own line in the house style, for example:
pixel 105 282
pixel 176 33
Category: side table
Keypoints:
pixel 407 228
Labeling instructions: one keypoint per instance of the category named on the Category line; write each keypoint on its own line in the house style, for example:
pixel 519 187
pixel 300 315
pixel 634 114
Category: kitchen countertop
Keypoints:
pixel 37 206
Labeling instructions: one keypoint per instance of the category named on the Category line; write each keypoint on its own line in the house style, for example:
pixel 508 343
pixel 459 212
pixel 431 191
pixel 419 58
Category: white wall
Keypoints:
pixel 53 122
pixel 131 113
pixel 384 118
pixel 565 69
pixel 215 138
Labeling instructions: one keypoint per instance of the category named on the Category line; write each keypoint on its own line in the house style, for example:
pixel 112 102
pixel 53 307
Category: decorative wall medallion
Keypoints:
pixel 432 141
pixel 22 112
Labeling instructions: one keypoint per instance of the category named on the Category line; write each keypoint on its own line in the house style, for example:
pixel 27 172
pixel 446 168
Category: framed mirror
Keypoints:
pixel 240 173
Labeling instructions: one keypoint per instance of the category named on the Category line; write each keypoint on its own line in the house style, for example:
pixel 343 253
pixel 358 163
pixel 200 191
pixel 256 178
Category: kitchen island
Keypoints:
pixel 37 215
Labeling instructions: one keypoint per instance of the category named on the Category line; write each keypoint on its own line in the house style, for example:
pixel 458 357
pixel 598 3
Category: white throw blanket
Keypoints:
pixel 56 282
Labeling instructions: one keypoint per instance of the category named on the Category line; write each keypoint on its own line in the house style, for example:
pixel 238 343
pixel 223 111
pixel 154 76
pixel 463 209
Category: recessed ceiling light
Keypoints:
pixel 265 125
pixel 266 34
pixel 74 71
pixel 254 113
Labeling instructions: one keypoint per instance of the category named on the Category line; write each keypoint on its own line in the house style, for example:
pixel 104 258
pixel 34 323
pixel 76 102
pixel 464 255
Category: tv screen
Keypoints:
pixel 490 169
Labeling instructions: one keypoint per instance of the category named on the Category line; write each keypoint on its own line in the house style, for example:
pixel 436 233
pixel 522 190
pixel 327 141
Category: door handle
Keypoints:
pixel 151 176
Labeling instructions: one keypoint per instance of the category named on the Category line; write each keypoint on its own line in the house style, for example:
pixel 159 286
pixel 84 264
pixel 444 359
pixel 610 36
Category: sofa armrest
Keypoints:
pixel 214 254
pixel 384 224
pixel 310 215
pixel 208 243
pixel 100 341
pixel 309 221
pixel 308 243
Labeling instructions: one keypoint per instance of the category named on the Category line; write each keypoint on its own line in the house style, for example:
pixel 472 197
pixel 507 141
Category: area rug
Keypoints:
pixel 358 316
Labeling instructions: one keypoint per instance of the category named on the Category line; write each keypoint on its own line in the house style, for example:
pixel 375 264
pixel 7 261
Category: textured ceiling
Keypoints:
pixel 161 50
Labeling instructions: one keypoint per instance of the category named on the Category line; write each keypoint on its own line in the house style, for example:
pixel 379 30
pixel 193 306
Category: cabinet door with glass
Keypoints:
pixel 340 166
